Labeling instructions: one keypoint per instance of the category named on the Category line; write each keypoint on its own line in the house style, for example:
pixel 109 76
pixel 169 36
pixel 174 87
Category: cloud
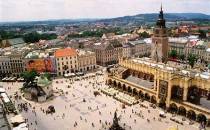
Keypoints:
pixel 22 10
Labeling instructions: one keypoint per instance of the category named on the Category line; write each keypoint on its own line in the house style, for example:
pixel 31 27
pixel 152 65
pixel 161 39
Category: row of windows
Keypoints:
pixel 5 63
pixel 16 60
pixel 66 58
pixel 66 67
pixel 67 63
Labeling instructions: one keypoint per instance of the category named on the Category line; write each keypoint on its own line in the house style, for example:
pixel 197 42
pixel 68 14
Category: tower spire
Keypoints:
pixel 161 20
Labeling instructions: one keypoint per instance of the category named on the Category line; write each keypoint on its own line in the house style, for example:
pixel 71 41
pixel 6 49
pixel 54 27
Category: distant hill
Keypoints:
pixel 126 20
pixel 152 17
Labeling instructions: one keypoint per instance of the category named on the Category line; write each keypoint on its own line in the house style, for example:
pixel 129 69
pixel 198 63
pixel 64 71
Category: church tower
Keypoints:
pixel 160 40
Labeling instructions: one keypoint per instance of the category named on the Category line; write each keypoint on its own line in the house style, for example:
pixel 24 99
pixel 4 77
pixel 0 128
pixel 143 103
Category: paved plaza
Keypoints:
pixel 77 108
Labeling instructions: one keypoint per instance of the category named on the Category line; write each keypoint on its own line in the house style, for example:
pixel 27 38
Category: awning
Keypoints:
pixel 17 119
pixel 2 90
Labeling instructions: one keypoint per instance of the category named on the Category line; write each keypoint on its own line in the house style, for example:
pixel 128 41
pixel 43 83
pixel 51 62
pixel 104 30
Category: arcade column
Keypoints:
pixel 185 91
pixel 169 94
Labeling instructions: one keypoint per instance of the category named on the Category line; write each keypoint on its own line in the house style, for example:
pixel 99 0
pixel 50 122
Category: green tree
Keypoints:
pixel 202 34
pixel 29 77
pixel 35 37
pixel 173 54
pixel 48 75
pixel 192 59
pixel 144 35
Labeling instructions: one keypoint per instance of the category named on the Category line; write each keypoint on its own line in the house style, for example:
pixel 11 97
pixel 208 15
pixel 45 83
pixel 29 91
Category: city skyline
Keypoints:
pixel 28 10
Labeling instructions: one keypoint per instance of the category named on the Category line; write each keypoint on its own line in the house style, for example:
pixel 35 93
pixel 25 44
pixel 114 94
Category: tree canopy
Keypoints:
pixel 202 34
pixel 28 38
pixel 35 37
pixel 173 54
pixel 29 76
pixel 192 59
pixel 48 76
pixel 144 35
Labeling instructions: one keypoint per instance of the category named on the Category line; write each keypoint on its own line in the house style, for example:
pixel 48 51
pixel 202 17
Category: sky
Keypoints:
pixel 33 10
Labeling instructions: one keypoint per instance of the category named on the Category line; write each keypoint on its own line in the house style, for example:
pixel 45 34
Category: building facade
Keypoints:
pixel 178 44
pixel 86 60
pixel 40 61
pixel 127 50
pixel 169 85
pixel 177 90
pixel 108 53
pixel 140 48
pixel 66 61
pixel 11 65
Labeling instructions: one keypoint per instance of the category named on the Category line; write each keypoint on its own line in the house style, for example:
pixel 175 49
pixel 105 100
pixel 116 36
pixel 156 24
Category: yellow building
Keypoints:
pixel 86 60
pixel 170 85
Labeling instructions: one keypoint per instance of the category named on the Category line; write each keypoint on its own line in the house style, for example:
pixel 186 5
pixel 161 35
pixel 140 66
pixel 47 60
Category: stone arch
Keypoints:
pixel 153 99
pixel 135 92
pixel 145 76
pixel 141 75
pixel 109 82
pixel 177 92
pixel 194 95
pixel 151 78
pixel 148 77
pixel 129 89
pixel 124 87
pixel 182 111
pixel 136 74
pixel 201 118
pixel 119 85
pixel 173 108
pixel 115 83
pixel 162 103
pixel 141 95
pixel 191 115
pixel 147 97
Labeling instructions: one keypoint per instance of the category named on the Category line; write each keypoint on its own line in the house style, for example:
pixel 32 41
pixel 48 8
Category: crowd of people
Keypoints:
pixel 65 88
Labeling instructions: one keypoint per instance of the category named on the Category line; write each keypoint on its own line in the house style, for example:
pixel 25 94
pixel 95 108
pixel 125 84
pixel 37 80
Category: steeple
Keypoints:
pixel 160 40
pixel 161 21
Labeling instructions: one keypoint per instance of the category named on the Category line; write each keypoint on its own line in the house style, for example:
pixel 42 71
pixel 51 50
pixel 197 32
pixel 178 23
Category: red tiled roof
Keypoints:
pixel 65 52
